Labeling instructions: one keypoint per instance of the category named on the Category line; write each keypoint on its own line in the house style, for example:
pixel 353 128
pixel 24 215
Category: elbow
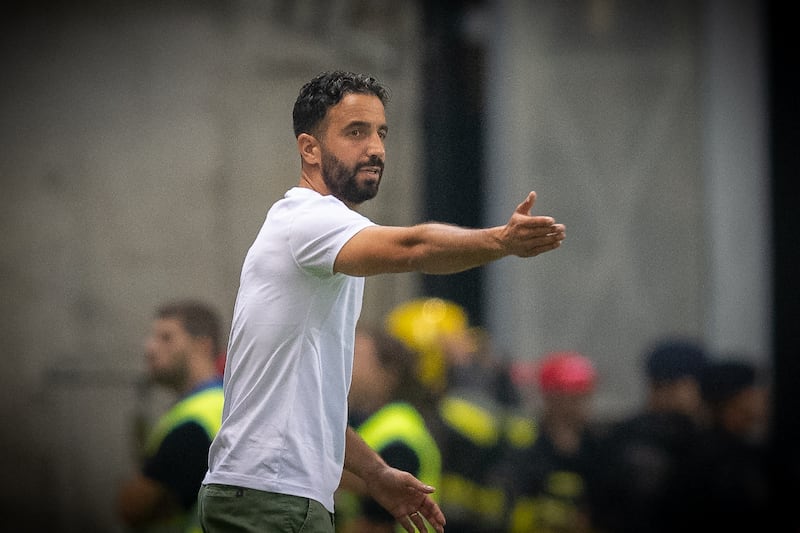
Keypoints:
pixel 421 259
pixel 432 261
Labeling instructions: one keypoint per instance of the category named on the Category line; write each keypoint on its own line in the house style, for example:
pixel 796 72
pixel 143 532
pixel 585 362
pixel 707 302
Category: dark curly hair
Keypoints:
pixel 325 91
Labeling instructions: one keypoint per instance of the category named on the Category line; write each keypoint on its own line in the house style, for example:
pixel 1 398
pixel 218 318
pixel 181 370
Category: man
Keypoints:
pixel 284 439
pixel 548 481
pixel 181 354
pixel 467 419
pixel 644 458
pixel 729 489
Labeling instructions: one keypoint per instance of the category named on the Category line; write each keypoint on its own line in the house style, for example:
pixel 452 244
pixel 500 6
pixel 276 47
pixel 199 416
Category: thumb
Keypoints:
pixel 525 207
pixel 422 487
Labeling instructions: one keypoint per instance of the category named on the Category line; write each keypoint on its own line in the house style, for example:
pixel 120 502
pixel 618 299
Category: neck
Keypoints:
pixel 197 378
pixel 313 182
pixel 566 435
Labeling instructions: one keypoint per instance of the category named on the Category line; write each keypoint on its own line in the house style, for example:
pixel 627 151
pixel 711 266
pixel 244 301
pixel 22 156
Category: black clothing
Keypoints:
pixel 729 489
pixel 181 462
pixel 470 438
pixel 548 488
pixel 644 462
pixel 399 456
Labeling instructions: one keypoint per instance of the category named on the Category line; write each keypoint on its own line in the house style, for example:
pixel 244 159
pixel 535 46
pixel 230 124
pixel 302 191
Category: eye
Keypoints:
pixel 382 134
pixel 356 132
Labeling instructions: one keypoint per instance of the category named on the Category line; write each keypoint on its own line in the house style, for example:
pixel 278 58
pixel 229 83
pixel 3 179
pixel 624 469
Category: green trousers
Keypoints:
pixel 228 509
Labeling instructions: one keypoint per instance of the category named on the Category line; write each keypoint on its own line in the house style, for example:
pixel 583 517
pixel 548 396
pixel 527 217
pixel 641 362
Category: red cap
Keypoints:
pixel 566 372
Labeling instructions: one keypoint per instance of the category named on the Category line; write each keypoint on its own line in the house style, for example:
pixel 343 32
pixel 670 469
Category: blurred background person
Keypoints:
pixel 644 456
pixel 729 488
pixel 181 353
pixel 383 407
pixel 547 482
pixel 472 403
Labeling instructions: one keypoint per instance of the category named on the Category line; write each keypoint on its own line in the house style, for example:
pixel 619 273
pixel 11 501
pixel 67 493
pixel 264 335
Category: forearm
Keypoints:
pixel 446 249
pixel 352 483
pixel 359 459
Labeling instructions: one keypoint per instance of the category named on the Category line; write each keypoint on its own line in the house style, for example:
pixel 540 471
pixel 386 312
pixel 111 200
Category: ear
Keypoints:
pixel 309 149
pixel 204 345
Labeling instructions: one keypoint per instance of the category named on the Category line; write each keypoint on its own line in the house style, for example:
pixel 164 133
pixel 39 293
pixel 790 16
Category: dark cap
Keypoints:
pixel 723 380
pixel 673 359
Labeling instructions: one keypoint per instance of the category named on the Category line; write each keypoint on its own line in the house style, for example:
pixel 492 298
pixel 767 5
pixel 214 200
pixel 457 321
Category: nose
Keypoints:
pixel 149 347
pixel 376 146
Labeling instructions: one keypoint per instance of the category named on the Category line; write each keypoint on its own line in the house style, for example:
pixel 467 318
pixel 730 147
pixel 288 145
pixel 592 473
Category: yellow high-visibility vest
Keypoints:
pixel 203 407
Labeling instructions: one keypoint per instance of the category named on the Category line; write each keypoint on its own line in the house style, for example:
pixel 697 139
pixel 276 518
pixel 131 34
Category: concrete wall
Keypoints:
pixel 142 144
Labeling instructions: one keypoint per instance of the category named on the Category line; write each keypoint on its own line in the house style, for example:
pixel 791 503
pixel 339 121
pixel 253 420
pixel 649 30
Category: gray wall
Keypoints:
pixel 640 125
pixel 143 143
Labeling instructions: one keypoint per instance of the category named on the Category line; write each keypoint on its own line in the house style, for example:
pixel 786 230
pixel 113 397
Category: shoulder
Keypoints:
pixel 188 434
pixel 304 208
pixel 178 447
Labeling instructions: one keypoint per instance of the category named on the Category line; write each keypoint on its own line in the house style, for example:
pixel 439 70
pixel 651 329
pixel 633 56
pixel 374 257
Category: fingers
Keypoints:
pixel 415 485
pixel 416 517
pixel 433 514
pixel 542 229
pixel 416 507
pixel 407 525
pixel 417 520
pixel 532 236
pixel 532 241
pixel 437 521
pixel 414 522
pixel 534 251
pixel 425 489
pixel 559 231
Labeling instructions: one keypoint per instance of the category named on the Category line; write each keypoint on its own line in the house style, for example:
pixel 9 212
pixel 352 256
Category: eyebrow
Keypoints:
pixel 362 123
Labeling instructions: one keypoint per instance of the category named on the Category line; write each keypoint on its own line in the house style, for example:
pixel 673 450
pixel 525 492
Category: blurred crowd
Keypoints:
pixel 514 444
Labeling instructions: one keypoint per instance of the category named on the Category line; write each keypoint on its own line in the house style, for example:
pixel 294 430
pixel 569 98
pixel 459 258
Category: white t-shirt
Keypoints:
pixel 290 354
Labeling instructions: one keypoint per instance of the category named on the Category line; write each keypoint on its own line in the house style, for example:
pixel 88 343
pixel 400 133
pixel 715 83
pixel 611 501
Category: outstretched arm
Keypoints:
pixel 445 249
pixel 400 493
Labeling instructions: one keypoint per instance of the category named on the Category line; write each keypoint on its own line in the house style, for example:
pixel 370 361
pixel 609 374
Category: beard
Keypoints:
pixel 343 182
pixel 175 376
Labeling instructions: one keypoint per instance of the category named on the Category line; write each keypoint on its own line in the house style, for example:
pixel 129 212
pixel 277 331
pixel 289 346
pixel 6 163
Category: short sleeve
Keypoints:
pixel 319 232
